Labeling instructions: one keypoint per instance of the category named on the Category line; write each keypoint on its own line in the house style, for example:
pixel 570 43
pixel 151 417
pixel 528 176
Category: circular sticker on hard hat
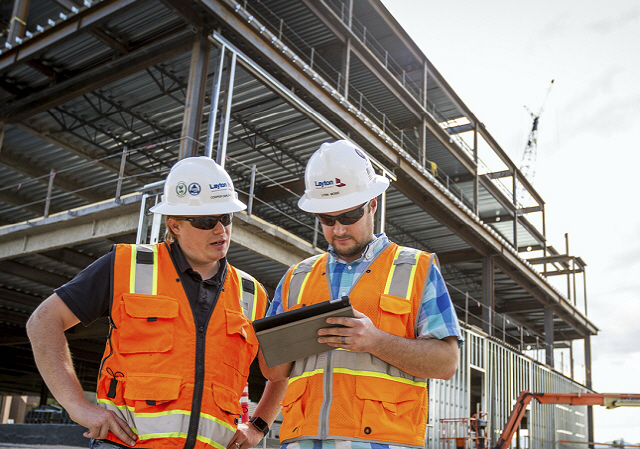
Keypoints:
pixel 194 188
pixel 360 153
pixel 181 189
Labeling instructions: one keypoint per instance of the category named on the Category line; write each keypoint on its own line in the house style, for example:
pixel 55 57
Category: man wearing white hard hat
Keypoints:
pixel 180 342
pixel 372 389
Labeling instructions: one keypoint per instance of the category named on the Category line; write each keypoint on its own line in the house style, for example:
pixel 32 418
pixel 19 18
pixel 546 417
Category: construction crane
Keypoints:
pixel 609 400
pixel 527 165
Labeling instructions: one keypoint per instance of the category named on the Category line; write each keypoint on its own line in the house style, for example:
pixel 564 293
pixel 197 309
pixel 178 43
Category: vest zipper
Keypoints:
pixel 198 384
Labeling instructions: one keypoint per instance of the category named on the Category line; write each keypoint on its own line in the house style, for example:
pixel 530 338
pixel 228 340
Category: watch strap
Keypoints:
pixel 260 424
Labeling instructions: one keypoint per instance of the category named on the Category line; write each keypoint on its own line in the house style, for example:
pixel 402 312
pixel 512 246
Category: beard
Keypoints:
pixel 353 250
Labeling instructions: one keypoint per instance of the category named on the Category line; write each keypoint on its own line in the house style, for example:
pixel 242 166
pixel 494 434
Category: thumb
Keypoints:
pixel 358 314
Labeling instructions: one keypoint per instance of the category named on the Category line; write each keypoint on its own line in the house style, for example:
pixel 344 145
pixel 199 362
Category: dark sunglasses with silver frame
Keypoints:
pixel 346 218
pixel 207 222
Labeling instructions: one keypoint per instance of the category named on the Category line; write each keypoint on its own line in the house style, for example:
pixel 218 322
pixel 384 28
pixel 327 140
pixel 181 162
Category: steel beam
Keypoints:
pixel 160 50
pixel 488 295
pixel 196 91
pixel 18 22
pixel 549 335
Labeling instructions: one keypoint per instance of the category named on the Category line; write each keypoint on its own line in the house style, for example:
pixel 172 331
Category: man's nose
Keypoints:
pixel 339 229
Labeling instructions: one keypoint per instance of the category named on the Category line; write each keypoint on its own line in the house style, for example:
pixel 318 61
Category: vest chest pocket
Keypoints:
pixel 147 324
pixel 394 314
pixel 241 345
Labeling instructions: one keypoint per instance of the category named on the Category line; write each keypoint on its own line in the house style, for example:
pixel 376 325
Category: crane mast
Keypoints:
pixel 527 165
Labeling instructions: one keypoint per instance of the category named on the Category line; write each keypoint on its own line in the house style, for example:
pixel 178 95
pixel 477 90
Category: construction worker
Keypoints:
pixel 180 342
pixel 372 389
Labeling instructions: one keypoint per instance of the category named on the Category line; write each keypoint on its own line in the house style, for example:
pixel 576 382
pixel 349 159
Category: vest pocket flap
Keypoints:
pixel 385 391
pixel 295 390
pixel 395 304
pixel 150 306
pixel 152 387
pixel 237 323
pixel 226 399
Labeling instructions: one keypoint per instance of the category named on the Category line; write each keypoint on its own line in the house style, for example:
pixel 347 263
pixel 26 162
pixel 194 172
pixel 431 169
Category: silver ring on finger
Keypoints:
pixel 237 445
pixel 343 342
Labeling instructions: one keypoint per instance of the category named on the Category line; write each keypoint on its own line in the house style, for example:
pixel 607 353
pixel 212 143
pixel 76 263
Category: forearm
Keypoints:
pixel 269 405
pixel 53 358
pixel 431 358
pixel 276 373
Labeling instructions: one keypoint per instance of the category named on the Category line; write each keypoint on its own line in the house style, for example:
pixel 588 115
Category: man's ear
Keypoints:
pixel 174 225
pixel 374 205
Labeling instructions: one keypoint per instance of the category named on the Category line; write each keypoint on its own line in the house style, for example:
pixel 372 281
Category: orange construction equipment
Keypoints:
pixel 609 400
pixel 474 429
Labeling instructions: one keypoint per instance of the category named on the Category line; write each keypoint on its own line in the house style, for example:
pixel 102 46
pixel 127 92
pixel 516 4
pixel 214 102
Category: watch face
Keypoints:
pixel 260 424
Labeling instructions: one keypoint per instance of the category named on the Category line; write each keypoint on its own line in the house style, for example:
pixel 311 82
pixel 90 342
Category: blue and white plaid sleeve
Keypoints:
pixel 276 305
pixel 437 318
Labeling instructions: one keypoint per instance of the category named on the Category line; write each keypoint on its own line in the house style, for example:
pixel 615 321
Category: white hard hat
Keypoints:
pixel 198 186
pixel 339 176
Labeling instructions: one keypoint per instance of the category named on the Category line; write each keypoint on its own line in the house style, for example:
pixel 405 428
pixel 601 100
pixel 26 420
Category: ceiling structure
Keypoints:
pixel 98 99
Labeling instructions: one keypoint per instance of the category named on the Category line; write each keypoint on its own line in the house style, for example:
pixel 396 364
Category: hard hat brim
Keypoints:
pixel 328 205
pixel 206 209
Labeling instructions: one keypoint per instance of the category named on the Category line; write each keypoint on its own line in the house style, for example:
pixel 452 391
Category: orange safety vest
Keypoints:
pixel 354 396
pixel 176 386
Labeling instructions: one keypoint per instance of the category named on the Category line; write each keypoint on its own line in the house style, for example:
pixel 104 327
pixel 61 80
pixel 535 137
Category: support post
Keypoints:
pixel 123 161
pixel 251 189
pixel 548 334
pixel 476 179
pixel 221 153
pixel 196 91
pixel 215 100
pixel 487 294
pixel 346 64
pixel 47 203
pixel 589 385
pixel 18 22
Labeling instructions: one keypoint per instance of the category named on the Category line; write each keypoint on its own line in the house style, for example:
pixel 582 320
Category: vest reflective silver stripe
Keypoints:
pixel 173 424
pixel 355 363
pixel 144 269
pixel 249 287
pixel 298 278
pixel 400 281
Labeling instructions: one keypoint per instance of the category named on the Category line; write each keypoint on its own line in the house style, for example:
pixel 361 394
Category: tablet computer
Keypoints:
pixel 293 335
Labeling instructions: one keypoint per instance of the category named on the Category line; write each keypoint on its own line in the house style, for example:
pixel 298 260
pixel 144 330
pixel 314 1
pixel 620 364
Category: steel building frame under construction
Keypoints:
pixel 98 99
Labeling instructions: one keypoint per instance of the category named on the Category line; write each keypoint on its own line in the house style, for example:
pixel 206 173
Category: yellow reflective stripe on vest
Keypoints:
pixel 155 425
pixel 402 273
pixel 299 280
pixel 305 374
pixel 362 373
pixel 144 269
pixel 247 299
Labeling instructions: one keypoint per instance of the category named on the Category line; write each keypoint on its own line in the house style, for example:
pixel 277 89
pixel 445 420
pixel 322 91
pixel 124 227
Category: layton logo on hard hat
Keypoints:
pixel 181 189
pixel 325 184
pixel 194 188
pixel 218 186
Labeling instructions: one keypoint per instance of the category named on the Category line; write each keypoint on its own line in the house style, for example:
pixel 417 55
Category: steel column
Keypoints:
pixel 475 173
pixel 548 335
pixel 346 64
pixel 589 384
pixel 18 22
pixel 215 100
pixel 221 153
pixel 196 92
pixel 487 294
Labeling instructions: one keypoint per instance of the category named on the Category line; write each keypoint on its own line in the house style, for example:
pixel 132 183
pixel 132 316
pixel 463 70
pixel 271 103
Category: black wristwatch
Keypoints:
pixel 260 424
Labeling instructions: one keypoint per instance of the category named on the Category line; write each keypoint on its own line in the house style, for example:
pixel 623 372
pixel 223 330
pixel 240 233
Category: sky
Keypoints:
pixel 500 56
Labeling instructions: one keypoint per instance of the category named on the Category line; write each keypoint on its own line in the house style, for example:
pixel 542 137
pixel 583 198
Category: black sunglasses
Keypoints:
pixel 207 222
pixel 347 218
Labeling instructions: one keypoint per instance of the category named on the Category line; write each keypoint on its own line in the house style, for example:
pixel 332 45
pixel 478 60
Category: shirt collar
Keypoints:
pixel 375 247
